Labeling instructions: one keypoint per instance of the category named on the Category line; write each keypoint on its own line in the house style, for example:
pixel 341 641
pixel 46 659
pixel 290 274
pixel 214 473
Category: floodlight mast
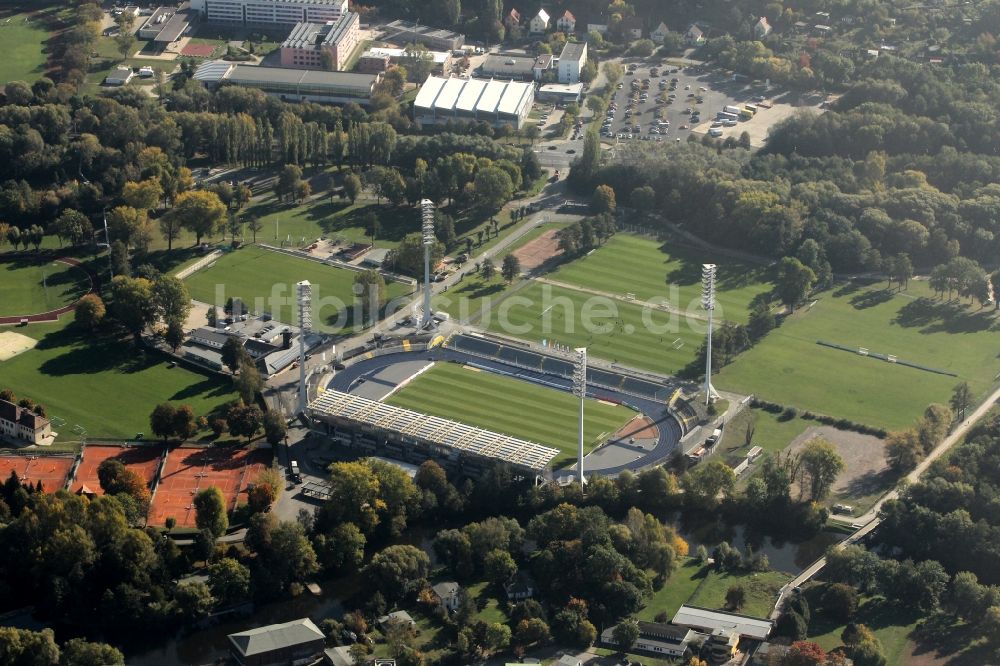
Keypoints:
pixel 580 390
pixel 427 219
pixel 708 272
pixel 303 291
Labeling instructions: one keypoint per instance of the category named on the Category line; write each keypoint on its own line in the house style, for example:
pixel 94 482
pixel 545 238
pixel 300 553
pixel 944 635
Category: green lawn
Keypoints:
pixel 891 623
pixel 464 300
pixel 510 406
pixel 676 592
pixel 761 590
pixel 29 285
pixel 265 281
pixel 770 433
pixel 790 368
pixel 24 43
pixel 105 385
pixel 487 606
pixel 647 339
pixel 651 270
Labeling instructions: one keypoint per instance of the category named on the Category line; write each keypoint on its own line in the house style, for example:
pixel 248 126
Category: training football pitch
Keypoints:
pixel 24 42
pixel 30 286
pixel 651 269
pixel 613 330
pixel 789 367
pixel 511 406
pixel 265 281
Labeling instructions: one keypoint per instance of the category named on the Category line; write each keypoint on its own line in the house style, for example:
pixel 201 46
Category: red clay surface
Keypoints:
pixel 641 427
pixel 53 315
pixel 140 459
pixel 189 470
pixel 538 251
pixel 50 470
pixel 198 50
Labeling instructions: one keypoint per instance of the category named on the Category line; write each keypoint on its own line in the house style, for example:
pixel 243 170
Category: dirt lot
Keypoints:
pixel 538 251
pixel 866 474
pixel 784 105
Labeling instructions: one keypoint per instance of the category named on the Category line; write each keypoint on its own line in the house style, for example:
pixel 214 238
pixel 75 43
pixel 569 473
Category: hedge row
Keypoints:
pixel 790 412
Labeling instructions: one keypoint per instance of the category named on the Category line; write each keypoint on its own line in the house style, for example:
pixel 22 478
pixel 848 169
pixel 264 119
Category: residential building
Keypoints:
pixel 270 12
pixel 512 19
pixel 401 617
pixel 599 28
pixel 768 654
pixel 567 22
pixel 496 102
pixel 520 68
pixel 543 64
pixel 325 46
pixel 520 587
pixel 378 59
pixel 631 27
pixel 119 76
pixel 24 425
pixel 338 656
pixel 540 23
pixel 406 32
pixel 660 33
pixel 291 85
pixel 571 62
pixel 298 641
pixel 761 28
pixel 447 594
pixel 694 35
pixel 658 639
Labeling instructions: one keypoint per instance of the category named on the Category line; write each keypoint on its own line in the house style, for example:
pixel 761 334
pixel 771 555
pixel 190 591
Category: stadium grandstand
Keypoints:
pixel 373 426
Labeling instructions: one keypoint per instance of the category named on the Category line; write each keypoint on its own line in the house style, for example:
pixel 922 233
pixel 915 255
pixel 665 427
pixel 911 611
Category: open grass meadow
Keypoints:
pixel 652 269
pixel 676 592
pixel 770 433
pixel 510 406
pixel 464 300
pixel 104 384
pixel 265 281
pixel 790 368
pixel 761 590
pixel 29 285
pixel 24 37
pixel 612 330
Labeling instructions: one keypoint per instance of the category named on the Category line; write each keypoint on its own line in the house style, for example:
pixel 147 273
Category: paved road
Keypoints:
pixel 869 521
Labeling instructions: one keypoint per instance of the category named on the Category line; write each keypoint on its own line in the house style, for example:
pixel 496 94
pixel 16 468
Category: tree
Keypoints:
pixel 144 195
pixel 703 485
pixel 736 597
pixel 352 187
pixel 228 580
pixel 488 269
pixel 78 652
pixel 499 567
pixel 89 311
pixel 510 268
pixel 289 179
pixel 261 496
pixel 200 211
pixel 493 188
pixel 233 354
pixel 248 382
pixel 626 633
pixel 804 653
pixel 395 569
pixel 133 304
pixel 369 288
pixel 254 225
pixel 194 600
pixel 71 224
pixel 115 479
pixel 603 200
pixel 372 226
pixel 903 450
pixel 244 420
pixel 961 398
pixel 820 464
pixel 161 420
pixel 210 511
pixel 794 281
pixel 840 601
pixel 173 302
pixel 344 546
pixel 129 225
pixel 274 427
pixel 22 647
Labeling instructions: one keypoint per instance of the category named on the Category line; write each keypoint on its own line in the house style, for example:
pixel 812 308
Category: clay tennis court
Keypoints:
pixel 535 253
pixel 140 459
pixel 50 470
pixel 189 470
pixel 198 50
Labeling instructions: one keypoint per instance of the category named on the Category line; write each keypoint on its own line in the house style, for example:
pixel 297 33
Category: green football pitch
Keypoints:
pixel 30 286
pixel 788 367
pixel 652 269
pixel 511 406
pixel 265 280
pixel 24 47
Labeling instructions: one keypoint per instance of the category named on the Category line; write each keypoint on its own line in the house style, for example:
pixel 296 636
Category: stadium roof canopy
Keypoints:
pixel 434 430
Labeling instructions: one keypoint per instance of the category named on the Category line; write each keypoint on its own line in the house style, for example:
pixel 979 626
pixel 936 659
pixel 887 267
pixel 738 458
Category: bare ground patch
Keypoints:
pixel 537 252
pixel 866 472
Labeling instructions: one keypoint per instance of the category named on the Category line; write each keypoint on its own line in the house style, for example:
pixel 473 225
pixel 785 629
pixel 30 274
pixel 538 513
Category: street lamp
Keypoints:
pixel 708 272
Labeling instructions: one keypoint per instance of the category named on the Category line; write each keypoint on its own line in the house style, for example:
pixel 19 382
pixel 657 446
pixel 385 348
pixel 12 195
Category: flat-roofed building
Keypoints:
pixel 378 59
pixel 405 32
pixel 322 45
pixel 270 12
pixel 292 85
pixel 295 642
pixel 507 67
pixel 454 100
pixel 571 62
pixel 561 93
pixel 165 25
